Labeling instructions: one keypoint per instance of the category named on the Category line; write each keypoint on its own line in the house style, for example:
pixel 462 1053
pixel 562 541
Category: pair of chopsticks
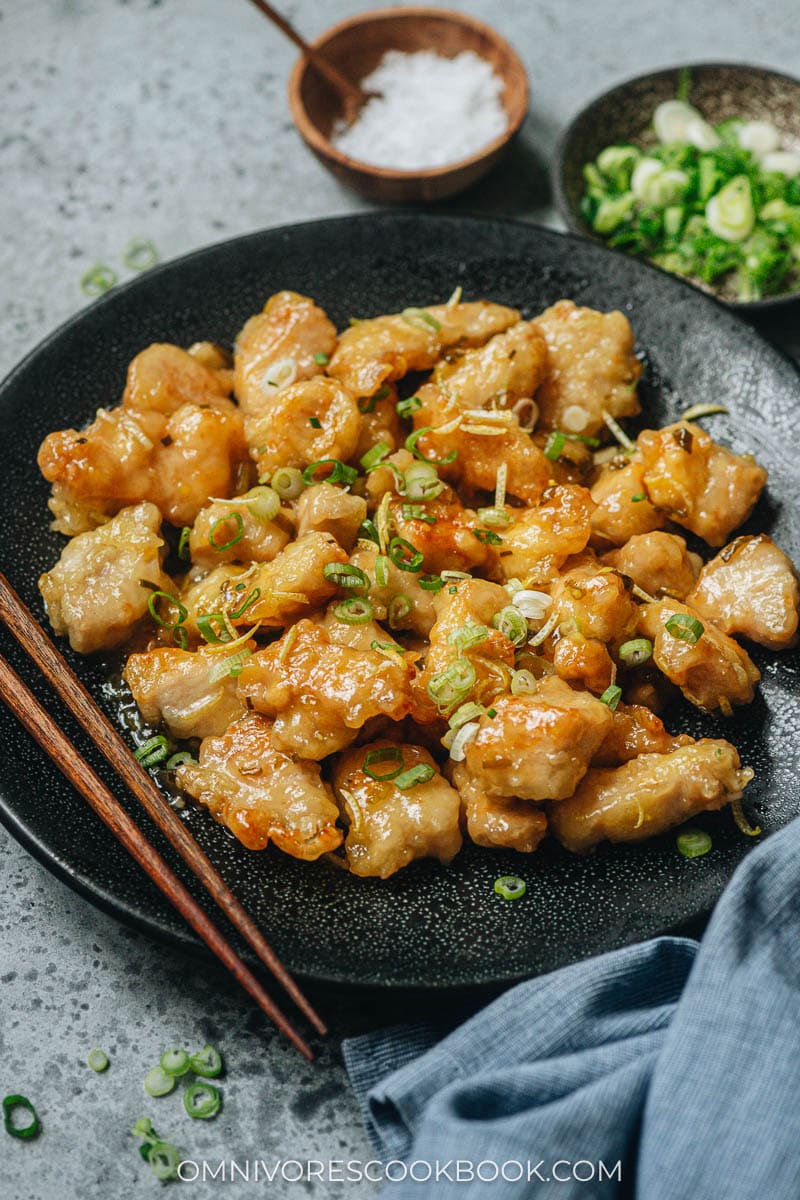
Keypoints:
pixel 20 700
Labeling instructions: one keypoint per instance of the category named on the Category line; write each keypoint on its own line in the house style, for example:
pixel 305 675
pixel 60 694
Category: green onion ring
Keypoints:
pixel 183 612
pixel 353 612
pixel 635 652
pixel 411 446
pixel 152 752
pixel 175 1061
pixel 405 408
pixel 158 1083
pixel 384 754
pixel 421 773
pixel 404 555
pixel 97 1060
pixel 12 1104
pixel 685 626
pixel 345 575
pixel 339 473
pixel 209 633
pixel 208 1062
pixel 611 696
pixel 234 516
pixel 693 843
pixel 510 887
pixel 183 543
pixel 202 1101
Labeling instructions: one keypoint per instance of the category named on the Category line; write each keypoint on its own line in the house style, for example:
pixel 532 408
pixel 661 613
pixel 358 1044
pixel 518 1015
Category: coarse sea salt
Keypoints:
pixel 430 111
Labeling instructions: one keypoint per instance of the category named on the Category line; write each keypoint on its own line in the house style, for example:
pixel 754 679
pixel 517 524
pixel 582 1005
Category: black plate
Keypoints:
pixel 427 926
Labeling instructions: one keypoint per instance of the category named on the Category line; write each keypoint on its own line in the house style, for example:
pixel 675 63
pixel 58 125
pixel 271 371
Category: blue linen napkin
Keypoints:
pixel 666 1070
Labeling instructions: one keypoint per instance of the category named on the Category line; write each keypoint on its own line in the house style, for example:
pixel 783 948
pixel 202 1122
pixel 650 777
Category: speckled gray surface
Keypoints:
pixel 167 119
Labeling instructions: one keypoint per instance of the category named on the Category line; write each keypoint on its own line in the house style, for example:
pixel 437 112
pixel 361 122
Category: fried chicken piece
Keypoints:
pixel 325 508
pixel 595 602
pixel 713 672
pixel 303 423
pixel 449 541
pixel 227 531
pixel 623 508
pixel 202 590
pixel 383 349
pixel 537 747
pixel 541 539
pixel 750 588
pixel 464 606
pixel 321 693
pixel 128 455
pixel 418 615
pixel 262 795
pixel 636 730
pixel 379 422
pixel 388 827
pixel 174 687
pixel 164 378
pixel 278 344
pixel 508 368
pixel 583 661
pixel 97 592
pixel 659 563
pixel 649 795
pixel 290 586
pixel 499 820
pixel 700 485
pixel 592 368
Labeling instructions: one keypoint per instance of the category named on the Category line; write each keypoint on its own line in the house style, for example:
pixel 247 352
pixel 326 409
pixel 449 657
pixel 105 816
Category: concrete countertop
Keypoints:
pixel 166 118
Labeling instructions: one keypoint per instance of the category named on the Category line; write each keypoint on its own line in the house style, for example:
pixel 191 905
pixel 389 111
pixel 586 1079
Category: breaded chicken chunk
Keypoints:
pixel 282 343
pixel 184 691
pixel 750 588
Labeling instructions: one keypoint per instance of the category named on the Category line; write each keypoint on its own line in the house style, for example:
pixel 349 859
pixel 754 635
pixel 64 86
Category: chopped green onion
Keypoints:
pixel 430 583
pixel 179 760
pixel 488 537
pixel 345 575
pixel 215 637
pixel 498 517
pixel 237 537
pixel 163 1159
pixel 554 445
pixel 385 754
pixel 366 404
pixel 97 1060
pixel 248 602
pixel 202 1101
pixel 208 1062
pixel 339 473
pixel 636 652
pixel 421 773
pixel 447 576
pixel 523 683
pixel 263 502
pixel 376 455
pixel 140 255
pixel 406 408
pixel 386 647
pixel 637 497
pixel 491 712
pixel 611 696
pixel 175 1061
pixel 510 887
pixel 183 543
pixel 230 667
pixel 618 432
pixel 404 555
pixel 180 637
pixel 466 712
pixel 152 601
pixel 415 512
pixel 411 446
pixel 685 626
pixel 153 751
pixel 381 570
pixel 158 1083
pixel 511 623
pixel 368 530
pixel 693 843
pixel 98 280
pixel 419 318
pixel 398 611
pixel 11 1106
pixel 288 482
pixel 353 612
pixel 321 359
pixel 730 213
pixel 421 482
pixel 448 688
pixel 468 636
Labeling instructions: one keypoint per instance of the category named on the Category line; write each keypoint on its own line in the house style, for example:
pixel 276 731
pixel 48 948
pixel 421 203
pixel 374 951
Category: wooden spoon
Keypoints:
pixel 353 97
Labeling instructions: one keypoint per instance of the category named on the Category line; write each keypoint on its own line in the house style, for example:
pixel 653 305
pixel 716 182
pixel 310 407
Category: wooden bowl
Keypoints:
pixel 625 114
pixel 356 46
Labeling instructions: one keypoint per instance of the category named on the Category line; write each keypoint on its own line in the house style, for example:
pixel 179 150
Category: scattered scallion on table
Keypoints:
pixel 510 887
pixel 693 843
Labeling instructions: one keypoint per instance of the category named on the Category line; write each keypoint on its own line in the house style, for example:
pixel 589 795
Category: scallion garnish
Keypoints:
pixel 384 754
pixel 98 280
pixel 179 760
pixel 207 1062
pixel 248 602
pixel 523 683
pixel 450 687
pixel 217 637
pixel 510 887
pixel 97 1060
pixel 202 1101
pixel 430 583
pixel 152 608
pixel 12 1106
pixel 693 843
pixel 554 445
pixel 180 637
pixel 353 612
pixel 488 537
pixel 152 752
pixel 158 1083
pixel 468 636
pixel 230 667
pixel 421 482
pixel 511 623
pixel 635 652
pixel 288 482
pixel 140 255
pixel 369 531
pixel 415 512
pixel 685 626
pixel 263 503
pixel 404 555
pixel 398 610
pixel 162 1157
pixel 421 773
pixel 466 712
pixel 339 473
pixel 345 575
pixel 498 517
pixel 420 318
pixel 321 359
pixel 223 520
pixel 183 543
pixel 411 446
pixel 381 570
pixel 405 408
pixel 637 497
pixel 373 457
pixel 175 1061
pixel 611 696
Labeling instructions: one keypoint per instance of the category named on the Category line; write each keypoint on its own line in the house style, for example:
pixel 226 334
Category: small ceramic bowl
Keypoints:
pixel 356 46
pixel 624 114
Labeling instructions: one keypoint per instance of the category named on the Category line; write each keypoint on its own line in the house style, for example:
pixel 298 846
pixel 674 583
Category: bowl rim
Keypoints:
pixel 576 225
pixel 311 134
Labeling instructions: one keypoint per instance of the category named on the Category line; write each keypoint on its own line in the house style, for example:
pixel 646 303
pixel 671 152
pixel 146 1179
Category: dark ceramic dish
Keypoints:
pixel 625 114
pixel 427 926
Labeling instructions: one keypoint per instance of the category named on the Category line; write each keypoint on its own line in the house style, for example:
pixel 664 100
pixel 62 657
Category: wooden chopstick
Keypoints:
pixel 23 625
pixel 70 763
